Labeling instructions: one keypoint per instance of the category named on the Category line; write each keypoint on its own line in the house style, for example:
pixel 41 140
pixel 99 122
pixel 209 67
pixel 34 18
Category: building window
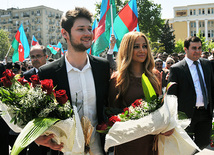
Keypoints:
pixel 208 33
pixel 194 12
pixel 199 11
pixel 203 12
pixel 211 24
pixel 212 11
pixel 191 24
pixel 194 24
pixel 208 11
pixel 190 12
pixel 202 24
pixel 212 33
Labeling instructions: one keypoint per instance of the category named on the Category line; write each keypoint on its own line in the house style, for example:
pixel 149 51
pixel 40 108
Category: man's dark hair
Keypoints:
pixel 191 39
pixel 67 21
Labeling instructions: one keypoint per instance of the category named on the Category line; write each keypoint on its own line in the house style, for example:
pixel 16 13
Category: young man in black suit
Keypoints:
pixel 38 58
pixel 195 101
pixel 79 73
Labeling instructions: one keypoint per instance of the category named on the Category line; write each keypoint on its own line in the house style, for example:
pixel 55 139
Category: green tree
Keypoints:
pixel 179 46
pixel 149 18
pixel 210 45
pixel 157 47
pixel 203 40
pixel 167 38
pixel 4 43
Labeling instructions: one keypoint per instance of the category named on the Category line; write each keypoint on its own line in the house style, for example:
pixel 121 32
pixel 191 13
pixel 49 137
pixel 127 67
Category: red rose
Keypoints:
pixel 112 120
pixel 212 143
pixel 9 74
pixel 126 109
pixel 6 81
pixel 47 85
pixel 102 126
pixel 61 96
pixel 22 80
pixel 35 80
pixel 136 103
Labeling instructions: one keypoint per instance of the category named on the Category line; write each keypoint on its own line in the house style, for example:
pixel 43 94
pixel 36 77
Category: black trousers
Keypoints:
pixel 200 127
pixel 4 137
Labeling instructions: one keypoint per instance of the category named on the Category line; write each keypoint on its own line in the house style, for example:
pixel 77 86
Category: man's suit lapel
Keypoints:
pixel 62 77
pixel 187 73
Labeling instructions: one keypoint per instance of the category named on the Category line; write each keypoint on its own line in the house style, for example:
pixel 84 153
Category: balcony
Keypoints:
pixel 26 15
pixel 14 17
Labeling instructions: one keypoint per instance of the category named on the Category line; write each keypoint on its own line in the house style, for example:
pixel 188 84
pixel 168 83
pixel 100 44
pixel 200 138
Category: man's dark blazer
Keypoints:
pixel 184 89
pixel 29 73
pixel 101 72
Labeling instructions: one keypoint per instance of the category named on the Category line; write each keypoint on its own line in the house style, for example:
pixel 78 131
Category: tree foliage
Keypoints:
pixel 4 43
pixel 149 19
pixel 167 38
pixel 179 46
pixel 157 47
pixel 203 40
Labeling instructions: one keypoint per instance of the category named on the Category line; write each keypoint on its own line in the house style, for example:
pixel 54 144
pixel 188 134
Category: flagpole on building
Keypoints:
pixel 112 28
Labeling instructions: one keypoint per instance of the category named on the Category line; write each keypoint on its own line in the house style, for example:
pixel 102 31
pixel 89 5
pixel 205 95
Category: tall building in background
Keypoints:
pixel 41 21
pixel 189 19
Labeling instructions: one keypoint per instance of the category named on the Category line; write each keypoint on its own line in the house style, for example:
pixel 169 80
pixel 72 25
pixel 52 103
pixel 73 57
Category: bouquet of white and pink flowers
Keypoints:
pixel 36 109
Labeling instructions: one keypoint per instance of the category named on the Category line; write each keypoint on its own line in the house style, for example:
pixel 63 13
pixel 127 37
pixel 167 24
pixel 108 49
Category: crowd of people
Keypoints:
pixel 102 82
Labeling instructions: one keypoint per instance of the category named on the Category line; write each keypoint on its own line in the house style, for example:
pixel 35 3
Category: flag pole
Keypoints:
pixel 8 51
pixel 112 28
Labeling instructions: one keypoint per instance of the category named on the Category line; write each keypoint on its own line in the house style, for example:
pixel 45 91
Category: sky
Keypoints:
pixel 64 5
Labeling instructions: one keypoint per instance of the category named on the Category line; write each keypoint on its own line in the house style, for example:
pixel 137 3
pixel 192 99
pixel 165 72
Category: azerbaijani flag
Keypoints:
pixel 53 48
pixel 20 45
pixel 34 41
pixel 94 26
pixel 126 20
pixel 102 32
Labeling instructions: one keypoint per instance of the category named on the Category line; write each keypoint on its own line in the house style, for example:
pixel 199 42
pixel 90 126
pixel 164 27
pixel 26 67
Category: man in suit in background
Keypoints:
pixel 38 58
pixel 84 77
pixel 195 90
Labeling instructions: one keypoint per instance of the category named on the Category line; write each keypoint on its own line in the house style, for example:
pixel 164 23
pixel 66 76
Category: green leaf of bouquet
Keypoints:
pixel 32 131
pixel 169 85
pixel 148 89
pixel 182 115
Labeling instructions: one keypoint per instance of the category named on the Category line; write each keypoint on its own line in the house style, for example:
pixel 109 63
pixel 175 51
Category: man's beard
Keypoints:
pixel 78 47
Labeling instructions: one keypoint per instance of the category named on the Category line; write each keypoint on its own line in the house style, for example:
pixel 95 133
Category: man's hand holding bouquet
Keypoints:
pixel 154 115
pixel 36 109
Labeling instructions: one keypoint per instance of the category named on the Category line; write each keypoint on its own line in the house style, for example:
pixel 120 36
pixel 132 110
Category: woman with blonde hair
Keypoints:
pixel 134 58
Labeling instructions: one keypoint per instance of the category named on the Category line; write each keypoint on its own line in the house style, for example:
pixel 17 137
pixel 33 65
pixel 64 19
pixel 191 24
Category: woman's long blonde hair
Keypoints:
pixel 124 59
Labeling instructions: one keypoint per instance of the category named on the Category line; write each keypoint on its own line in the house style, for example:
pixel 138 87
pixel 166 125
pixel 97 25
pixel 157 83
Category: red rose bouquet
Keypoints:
pixel 149 116
pixel 35 109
